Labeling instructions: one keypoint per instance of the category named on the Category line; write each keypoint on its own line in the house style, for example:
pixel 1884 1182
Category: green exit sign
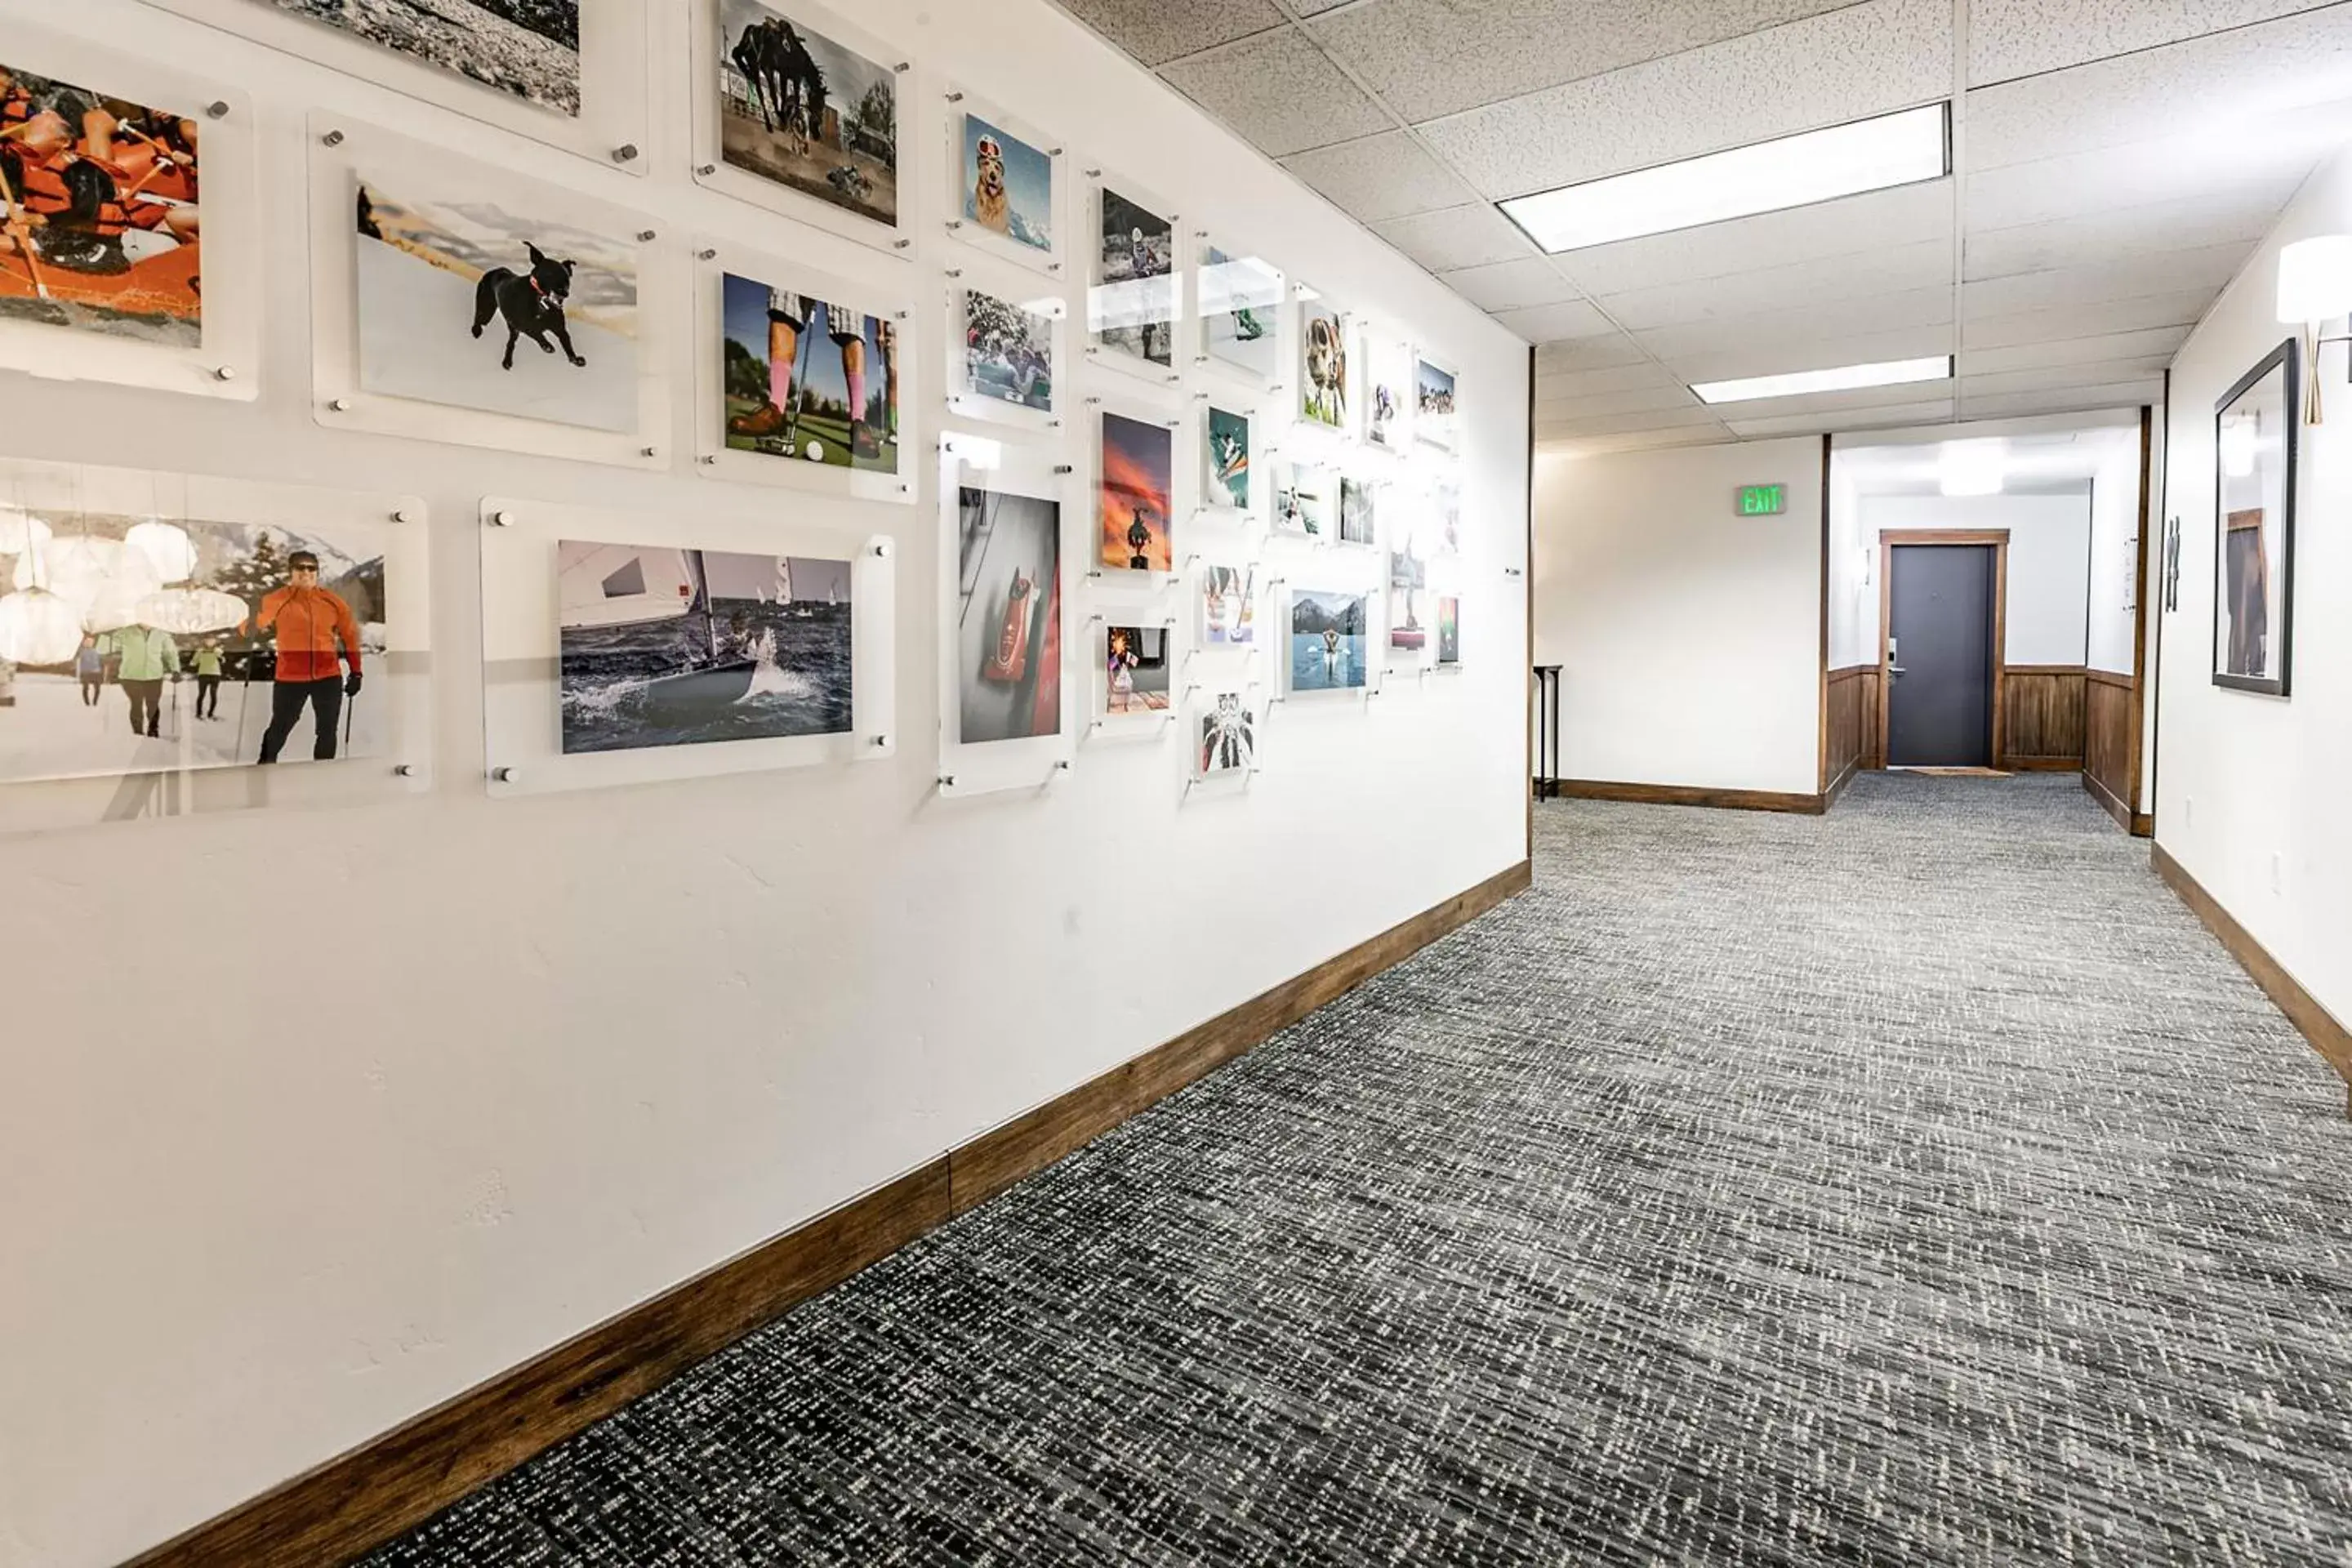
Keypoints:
pixel 1763 501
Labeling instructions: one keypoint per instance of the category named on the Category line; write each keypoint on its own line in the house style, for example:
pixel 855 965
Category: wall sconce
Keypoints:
pixel 2314 286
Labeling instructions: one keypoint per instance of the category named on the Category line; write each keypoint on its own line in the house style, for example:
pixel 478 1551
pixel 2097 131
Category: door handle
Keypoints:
pixel 1896 669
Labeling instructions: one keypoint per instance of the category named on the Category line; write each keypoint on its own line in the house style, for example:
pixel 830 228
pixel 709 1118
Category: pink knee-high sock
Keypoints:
pixel 856 397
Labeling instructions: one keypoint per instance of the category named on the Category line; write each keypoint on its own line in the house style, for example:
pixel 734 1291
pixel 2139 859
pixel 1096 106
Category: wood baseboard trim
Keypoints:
pixel 2328 1037
pixel 2143 825
pixel 1694 795
pixel 2043 764
pixel 353 1503
pixel 2108 803
pixel 1837 785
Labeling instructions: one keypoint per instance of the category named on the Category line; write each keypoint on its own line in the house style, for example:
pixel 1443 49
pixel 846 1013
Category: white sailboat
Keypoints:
pixel 621 585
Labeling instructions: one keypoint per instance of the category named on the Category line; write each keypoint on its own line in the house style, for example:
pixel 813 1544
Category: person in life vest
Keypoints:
pixel 93 186
pixel 317 636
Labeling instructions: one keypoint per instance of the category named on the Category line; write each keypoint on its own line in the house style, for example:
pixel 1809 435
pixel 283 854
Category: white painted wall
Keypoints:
pixel 273 1180
pixel 2251 790
pixel 2115 559
pixel 2048 562
pixel 1689 636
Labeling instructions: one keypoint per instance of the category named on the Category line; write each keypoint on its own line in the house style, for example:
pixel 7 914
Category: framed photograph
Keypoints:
pixel 1134 301
pixel 134 256
pixel 620 649
pixel 1449 629
pixel 1225 737
pixel 1446 516
pixel 164 625
pixel 1135 670
pixel 1306 503
pixel 1004 184
pixel 453 301
pixel 1237 301
pixel 1135 498
pixel 1358 521
pixel 1387 391
pixel 1323 387
pixel 1228 476
pixel 805 379
pixel 2256 423
pixel 1007 520
pixel 800 112
pixel 569 74
pixel 1228 602
pixel 1329 640
pixel 1433 403
pixel 1006 348
pixel 1407 585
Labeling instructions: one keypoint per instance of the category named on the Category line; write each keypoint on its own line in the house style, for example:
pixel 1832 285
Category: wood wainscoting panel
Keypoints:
pixel 2042 709
pixel 1852 723
pixel 352 1504
pixel 2110 732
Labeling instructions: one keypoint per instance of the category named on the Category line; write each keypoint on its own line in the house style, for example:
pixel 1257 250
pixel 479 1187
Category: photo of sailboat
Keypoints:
pixel 679 647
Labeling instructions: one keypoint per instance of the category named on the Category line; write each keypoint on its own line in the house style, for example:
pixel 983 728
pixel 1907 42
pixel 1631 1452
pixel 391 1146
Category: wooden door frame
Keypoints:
pixel 1889 541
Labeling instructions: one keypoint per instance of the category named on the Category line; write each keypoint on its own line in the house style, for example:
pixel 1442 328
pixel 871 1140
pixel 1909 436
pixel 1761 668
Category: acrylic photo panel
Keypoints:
pixel 1004 184
pixel 2257 428
pixel 1329 640
pixel 455 301
pixel 1224 736
pixel 1238 302
pixel 1446 516
pixel 136 262
pixel 1013 661
pixel 1006 347
pixel 1134 300
pixel 1135 502
pixel 805 381
pixel 164 627
pixel 1358 509
pixel 1324 389
pixel 1385 400
pixel 1409 608
pixel 1136 671
pixel 570 73
pixel 1228 605
pixel 626 648
pixel 1434 419
pixel 1449 629
pixel 1228 459
pixel 1306 502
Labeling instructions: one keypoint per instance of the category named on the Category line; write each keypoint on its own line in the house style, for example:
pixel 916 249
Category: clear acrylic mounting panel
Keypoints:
pixel 974 272
pixel 522 697
pixel 1055 260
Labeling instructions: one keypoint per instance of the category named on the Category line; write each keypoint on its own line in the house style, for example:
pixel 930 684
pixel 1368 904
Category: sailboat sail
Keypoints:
pixel 619 585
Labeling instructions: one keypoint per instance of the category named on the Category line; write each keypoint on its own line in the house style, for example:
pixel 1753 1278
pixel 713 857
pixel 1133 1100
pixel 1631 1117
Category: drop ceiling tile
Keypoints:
pixel 1634 400
pixel 2221 218
pixel 2222 86
pixel 2155 342
pixel 1787 336
pixel 1511 284
pixel 2021 37
pixel 1848 401
pixel 1429 58
pixel 1455 237
pixel 1155 32
pixel 1621 424
pixel 1380 177
pixel 2183 169
pixel 1905 216
pixel 1632 441
pixel 1605 350
pixel 1550 323
pixel 2088 321
pixel 2131 278
pixel 2071 400
pixel 1728 357
pixel 1558 383
pixel 2102 372
pixel 1843 65
pixel 1771 289
pixel 1886 417
pixel 1280 92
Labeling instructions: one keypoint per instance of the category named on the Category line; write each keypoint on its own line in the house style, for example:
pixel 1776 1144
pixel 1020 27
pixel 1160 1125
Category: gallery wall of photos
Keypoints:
pixel 1179 486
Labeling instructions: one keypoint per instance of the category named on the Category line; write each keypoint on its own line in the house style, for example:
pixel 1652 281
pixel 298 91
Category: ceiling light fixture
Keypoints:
pixel 1844 378
pixel 2314 287
pixel 1900 148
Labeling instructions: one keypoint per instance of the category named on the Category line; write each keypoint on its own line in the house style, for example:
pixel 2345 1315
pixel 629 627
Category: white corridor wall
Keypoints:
pixel 2049 566
pixel 309 1122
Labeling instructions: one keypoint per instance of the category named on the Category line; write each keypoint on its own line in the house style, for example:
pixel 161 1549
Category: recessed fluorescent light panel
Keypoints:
pixel 1845 378
pixel 1814 166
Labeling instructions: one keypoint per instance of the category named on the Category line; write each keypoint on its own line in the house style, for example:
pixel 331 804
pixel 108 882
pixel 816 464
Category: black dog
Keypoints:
pixel 531 302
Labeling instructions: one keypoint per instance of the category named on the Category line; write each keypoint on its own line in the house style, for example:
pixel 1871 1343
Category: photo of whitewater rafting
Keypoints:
pixel 684 648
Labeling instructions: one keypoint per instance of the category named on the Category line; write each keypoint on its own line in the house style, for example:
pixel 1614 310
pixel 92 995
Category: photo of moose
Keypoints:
pixel 800 109
pixel 464 303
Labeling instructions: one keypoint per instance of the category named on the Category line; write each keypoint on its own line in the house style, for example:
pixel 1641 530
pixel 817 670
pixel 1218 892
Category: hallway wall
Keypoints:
pixel 1689 636
pixel 2253 789
pixel 279 1170
pixel 2049 566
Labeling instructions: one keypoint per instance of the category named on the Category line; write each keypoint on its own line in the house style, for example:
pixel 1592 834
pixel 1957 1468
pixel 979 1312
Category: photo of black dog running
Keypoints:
pixel 531 302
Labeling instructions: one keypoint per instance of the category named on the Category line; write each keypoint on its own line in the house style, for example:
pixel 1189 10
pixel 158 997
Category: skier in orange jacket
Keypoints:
pixel 317 636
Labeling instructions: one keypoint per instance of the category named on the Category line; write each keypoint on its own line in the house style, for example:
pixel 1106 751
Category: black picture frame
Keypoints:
pixel 2285 361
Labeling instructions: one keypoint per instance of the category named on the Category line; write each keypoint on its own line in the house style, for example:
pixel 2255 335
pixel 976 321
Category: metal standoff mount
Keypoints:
pixel 404 770
pixel 505 775
pixel 881 740
pixel 947 781
pixel 502 518
pixel 625 152
pixel 224 373
pixel 216 109
pixel 333 139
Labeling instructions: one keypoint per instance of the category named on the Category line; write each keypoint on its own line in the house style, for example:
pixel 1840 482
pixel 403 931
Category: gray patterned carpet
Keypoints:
pixel 1917 1185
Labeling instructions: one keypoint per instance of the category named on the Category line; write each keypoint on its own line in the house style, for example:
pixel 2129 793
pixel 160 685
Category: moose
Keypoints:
pixel 531 302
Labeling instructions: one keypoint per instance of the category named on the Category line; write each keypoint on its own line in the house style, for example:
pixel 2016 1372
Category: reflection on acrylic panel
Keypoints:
pixel 1228 607
pixel 1446 502
pixel 809 379
pixel 103 196
pixel 805 113
pixel 2254 436
pixel 677 647
pixel 1408 575
pixel 1138 500
pixel 1449 630
pixel 1241 299
pixel 528 48
pixel 141 646
pixel 1433 403
pixel 1008 352
pixel 1008 185
pixel 1323 367
pixel 1133 310
pixel 1356 520
pixel 1306 500
pixel 1008 615
pixel 1228 736
pixel 1384 393
pixel 1327 640
pixel 1135 669
pixel 468 304
pixel 1228 459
